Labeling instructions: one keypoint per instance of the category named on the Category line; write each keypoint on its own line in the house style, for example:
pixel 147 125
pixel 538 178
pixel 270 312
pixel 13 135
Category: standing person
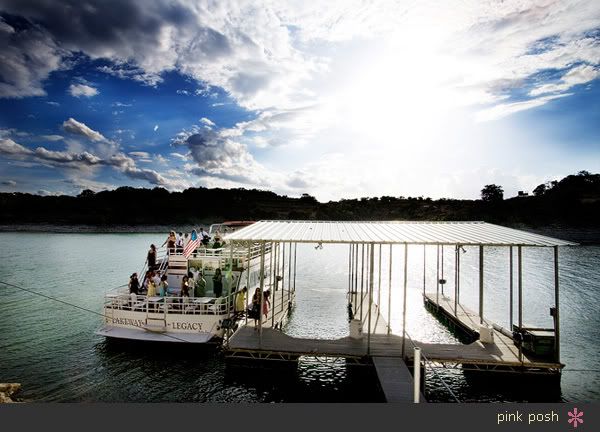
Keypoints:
pixel 151 288
pixel 151 258
pixel 191 283
pixel 179 242
pixel 134 284
pixel 163 287
pixel 266 303
pixel 200 287
pixel 255 308
pixel 218 283
pixel 240 301
pixel 186 239
pixel 170 242
pixel 156 279
pixel 185 287
pixel 204 236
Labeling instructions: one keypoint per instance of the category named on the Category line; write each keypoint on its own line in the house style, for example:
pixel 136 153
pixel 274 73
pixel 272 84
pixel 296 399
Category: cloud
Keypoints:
pixel 155 128
pixel 52 137
pixel 10 183
pixel 77 128
pixel 29 55
pixel 575 76
pixel 207 122
pixel 140 154
pixel 53 103
pixel 179 156
pixel 502 110
pixel 78 90
pixel 9 147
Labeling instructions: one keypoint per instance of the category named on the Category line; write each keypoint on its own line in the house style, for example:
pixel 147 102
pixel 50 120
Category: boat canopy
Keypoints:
pixel 392 232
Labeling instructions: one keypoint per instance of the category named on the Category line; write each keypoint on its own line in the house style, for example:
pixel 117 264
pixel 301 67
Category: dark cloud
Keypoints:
pixel 10 183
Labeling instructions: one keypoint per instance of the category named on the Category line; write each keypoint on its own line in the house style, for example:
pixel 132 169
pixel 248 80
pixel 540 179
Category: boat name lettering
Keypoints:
pixel 128 321
pixel 186 326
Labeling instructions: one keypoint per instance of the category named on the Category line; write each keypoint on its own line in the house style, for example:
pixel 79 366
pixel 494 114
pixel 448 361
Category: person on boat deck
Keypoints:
pixel 266 303
pixel 163 286
pixel 191 283
pixel 186 239
pixel 218 283
pixel 156 279
pixel 179 242
pixel 151 258
pixel 185 287
pixel 240 301
pixel 170 241
pixel 204 236
pixel 151 288
pixel 134 284
pixel 147 277
pixel 200 286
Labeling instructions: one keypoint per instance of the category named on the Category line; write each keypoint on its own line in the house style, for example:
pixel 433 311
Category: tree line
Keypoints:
pixel 573 201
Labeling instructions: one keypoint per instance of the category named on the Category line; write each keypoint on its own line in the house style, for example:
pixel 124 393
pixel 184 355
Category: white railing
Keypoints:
pixel 222 252
pixel 170 304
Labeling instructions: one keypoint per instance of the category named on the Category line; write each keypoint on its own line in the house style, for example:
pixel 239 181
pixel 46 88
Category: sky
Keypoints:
pixel 337 99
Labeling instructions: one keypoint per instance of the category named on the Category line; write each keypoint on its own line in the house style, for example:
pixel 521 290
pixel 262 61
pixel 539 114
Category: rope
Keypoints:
pixel 74 305
pixel 433 368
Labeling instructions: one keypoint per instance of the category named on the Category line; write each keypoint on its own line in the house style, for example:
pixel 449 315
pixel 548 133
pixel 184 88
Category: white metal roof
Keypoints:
pixel 464 233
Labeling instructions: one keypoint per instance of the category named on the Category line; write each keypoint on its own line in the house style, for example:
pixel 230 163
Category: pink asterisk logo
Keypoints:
pixel 575 417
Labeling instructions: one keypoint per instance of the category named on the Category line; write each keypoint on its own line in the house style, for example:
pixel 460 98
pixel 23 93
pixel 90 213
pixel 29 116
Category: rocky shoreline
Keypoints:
pixel 7 391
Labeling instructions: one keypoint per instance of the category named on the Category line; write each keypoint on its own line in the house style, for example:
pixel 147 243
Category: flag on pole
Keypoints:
pixel 192 244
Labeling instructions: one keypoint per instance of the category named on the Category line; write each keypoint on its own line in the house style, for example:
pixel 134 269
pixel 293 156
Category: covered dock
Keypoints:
pixel 366 241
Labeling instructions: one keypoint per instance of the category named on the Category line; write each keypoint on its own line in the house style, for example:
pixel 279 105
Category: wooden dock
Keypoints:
pixel 395 379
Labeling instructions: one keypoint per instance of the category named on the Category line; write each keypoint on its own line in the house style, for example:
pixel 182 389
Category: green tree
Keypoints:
pixel 492 193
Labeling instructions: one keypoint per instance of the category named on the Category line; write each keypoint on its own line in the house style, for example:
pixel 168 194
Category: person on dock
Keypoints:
pixel 254 311
pixel 134 284
pixel 151 258
pixel 170 241
pixel 240 301
pixel 163 286
pixel 266 303
pixel 218 283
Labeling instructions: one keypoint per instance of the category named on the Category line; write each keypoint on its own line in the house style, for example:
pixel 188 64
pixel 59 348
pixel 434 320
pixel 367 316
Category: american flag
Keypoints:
pixel 192 244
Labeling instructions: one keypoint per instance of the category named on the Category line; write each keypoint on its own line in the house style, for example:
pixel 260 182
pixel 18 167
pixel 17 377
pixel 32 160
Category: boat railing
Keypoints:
pixel 170 304
pixel 207 251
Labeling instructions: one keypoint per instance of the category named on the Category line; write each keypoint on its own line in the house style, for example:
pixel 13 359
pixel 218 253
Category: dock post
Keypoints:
pixel 262 297
pixel 389 326
pixel 456 265
pixel 404 300
pixel 417 375
pixel 362 279
pixel 520 286
pixel 510 288
pixel 290 273
pixel 379 282
pixel 424 267
pixel 274 283
pixel 556 310
pixel 295 256
pixel 248 280
pixel 437 275
pixel 370 298
pixel 442 269
pixel 481 284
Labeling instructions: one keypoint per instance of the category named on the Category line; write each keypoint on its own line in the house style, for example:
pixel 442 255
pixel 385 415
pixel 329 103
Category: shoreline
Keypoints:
pixel 581 235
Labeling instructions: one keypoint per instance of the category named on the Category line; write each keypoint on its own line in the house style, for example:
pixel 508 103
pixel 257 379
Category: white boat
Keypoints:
pixel 200 319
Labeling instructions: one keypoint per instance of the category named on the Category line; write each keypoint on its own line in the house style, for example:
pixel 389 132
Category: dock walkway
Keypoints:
pixel 395 379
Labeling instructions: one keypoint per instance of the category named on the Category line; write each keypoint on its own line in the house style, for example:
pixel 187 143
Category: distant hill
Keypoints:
pixel 573 201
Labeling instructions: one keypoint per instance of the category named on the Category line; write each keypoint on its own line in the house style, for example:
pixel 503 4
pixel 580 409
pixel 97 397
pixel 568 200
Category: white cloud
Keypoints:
pixel 502 110
pixel 10 183
pixel 52 137
pixel 155 128
pixel 53 103
pixel 575 76
pixel 77 128
pixel 140 154
pixel 78 90
pixel 207 122
pixel 179 156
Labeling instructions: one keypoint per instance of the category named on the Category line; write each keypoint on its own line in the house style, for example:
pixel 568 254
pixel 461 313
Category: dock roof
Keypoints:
pixel 391 232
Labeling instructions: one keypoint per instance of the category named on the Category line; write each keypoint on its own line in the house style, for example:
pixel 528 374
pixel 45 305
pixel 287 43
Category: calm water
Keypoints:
pixel 52 350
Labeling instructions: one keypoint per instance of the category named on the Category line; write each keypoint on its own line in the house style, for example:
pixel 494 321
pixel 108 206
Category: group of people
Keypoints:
pixel 253 310
pixel 177 241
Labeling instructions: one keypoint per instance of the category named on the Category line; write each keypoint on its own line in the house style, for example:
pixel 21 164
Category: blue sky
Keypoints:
pixel 342 100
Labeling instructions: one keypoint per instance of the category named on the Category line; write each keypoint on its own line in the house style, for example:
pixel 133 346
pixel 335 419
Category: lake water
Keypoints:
pixel 52 350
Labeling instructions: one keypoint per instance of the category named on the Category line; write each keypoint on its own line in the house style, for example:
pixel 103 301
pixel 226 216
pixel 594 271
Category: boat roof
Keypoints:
pixel 392 232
